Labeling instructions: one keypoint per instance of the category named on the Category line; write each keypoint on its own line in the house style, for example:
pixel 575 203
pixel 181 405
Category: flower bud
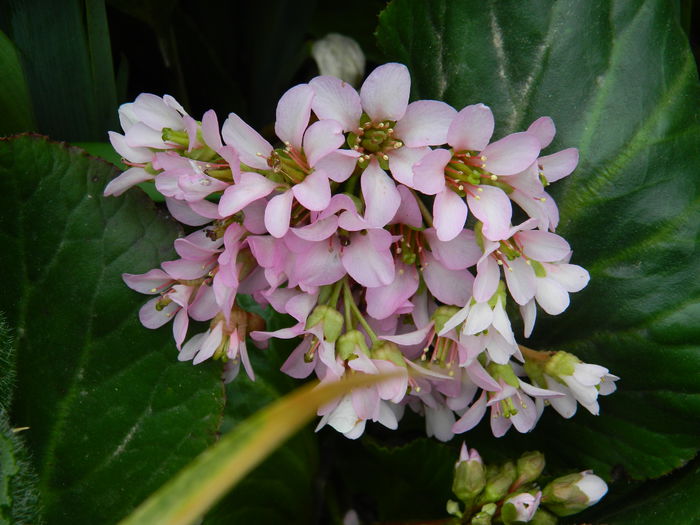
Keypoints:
pixel 389 352
pixel 542 517
pixel 339 56
pixel 483 517
pixel 529 467
pixel 573 493
pixel 469 477
pixel 453 509
pixel 498 481
pixel 443 314
pixel 332 321
pixel 520 507
pixel 350 343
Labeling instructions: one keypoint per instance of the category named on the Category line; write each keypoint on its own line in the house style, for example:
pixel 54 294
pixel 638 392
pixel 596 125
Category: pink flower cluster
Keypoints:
pixel 383 227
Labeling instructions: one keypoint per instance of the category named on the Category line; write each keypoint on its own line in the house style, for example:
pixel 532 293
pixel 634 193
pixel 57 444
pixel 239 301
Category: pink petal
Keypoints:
pixel 152 318
pixel 409 338
pixel 292 116
pixel 492 207
pixel 277 214
pixel 126 180
pixel 180 325
pixel 551 296
pixel 449 214
pixel 252 148
pixel 529 314
pixel 384 301
pixel 543 246
pixel 520 278
pixel 321 264
pixel 571 276
pixel 319 230
pixel 384 94
pixel 425 123
pixel 184 213
pixel 154 112
pixel 472 416
pixel 149 282
pixel 368 258
pixel 488 274
pixel 314 192
pixel 543 128
pixel 141 136
pixel 184 269
pixel 204 306
pixel 381 197
pixel 252 186
pixel 457 254
pixel 448 286
pixel 337 100
pixel 429 172
pixel 558 165
pixel 295 365
pixel 322 138
pixel 132 154
pixel 401 162
pixel 338 164
pixel 254 217
pixel 479 318
pixel 210 344
pixel 511 154
pixel 408 212
pixel 210 130
pixel 471 129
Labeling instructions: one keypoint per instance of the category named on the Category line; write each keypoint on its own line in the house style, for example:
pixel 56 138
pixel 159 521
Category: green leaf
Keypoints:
pixel 281 489
pixel 15 105
pixel 620 82
pixel 110 411
pixel 65 51
pixel 7 365
pixel 669 500
pixel 19 499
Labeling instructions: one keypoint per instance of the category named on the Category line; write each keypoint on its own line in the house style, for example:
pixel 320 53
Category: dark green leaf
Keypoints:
pixel 65 51
pixel 15 105
pixel 620 82
pixel 112 414
pixel 7 365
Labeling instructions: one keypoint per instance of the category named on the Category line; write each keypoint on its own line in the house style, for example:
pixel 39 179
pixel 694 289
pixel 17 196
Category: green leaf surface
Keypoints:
pixel 65 50
pixel 15 105
pixel 111 413
pixel 19 499
pixel 7 365
pixel 620 82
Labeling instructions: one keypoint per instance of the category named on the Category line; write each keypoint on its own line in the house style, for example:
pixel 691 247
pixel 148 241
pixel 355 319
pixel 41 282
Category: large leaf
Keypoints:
pixel 620 82
pixel 65 51
pixel 112 414
pixel 14 95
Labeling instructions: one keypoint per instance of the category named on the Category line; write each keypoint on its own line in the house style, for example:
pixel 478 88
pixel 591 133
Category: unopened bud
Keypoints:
pixel 519 508
pixel 542 517
pixel 339 56
pixel 442 315
pixel 529 467
pixel 561 364
pixel 483 517
pixel 331 319
pixel 469 478
pixel 498 481
pixel 573 493
pixel 350 343
pixel 453 509
pixel 389 352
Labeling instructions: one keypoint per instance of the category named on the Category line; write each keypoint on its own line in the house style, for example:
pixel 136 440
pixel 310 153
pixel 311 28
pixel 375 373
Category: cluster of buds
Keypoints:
pixel 384 228
pixel 510 493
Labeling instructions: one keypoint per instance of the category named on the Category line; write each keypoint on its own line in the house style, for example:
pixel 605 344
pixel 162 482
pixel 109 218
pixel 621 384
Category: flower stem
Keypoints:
pixel 425 212
pixel 535 355
pixel 335 294
pixel 349 301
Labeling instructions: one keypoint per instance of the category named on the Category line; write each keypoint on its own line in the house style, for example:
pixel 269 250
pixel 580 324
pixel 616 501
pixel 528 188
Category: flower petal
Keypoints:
pixel 336 100
pixel 543 128
pixel 368 258
pixel 429 172
pixel 251 147
pixel 459 253
pixel 449 214
pixel 381 197
pixel 314 192
pixel 558 165
pixel 385 92
pixel 126 180
pixel 292 116
pixel 449 286
pixel 471 129
pixel 543 246
pixel 278 213
pixel 322 138
pixel 251 187
pixel 492 206
pixel 511 154
pixel 425 123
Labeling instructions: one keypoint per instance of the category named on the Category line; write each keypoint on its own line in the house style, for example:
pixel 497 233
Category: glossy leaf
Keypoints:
pixel 110 411
pixel 15 104
pixel 620 82
pixel 186 497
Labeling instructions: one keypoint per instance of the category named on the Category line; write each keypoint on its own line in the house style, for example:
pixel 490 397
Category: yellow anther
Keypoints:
pixel 380 125
pixel 480 189
pixel 542 199
pixel 154 290
pixel 494 177
pixel 500 263
pixel 460 187
pixel 390 131
pixel 258 154
pixel 477 197
pixel 385 156
pixel 510 269
pixel 483 157
pixel 527 261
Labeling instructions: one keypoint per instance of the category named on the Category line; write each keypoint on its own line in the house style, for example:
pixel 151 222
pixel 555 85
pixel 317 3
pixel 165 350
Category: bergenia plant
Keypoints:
pixel 401 237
